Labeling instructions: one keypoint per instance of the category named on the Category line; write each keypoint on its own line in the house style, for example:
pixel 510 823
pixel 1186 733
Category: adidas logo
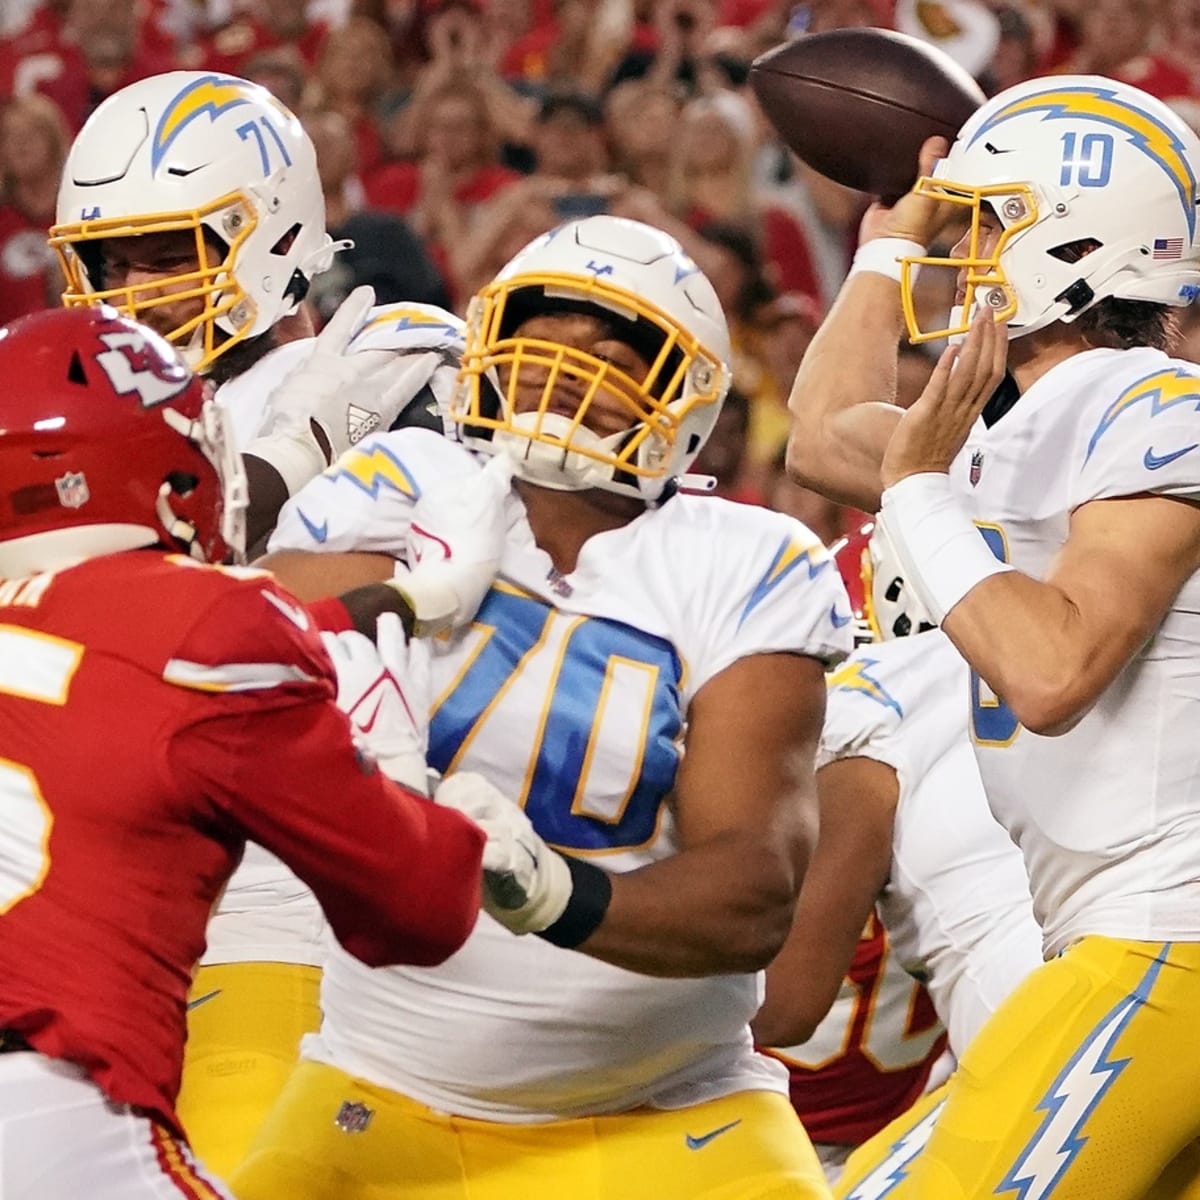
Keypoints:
pixel 360 422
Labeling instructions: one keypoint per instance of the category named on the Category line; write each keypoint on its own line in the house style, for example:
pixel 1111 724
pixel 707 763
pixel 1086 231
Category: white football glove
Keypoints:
pixel 454 547
pixel 385 693
pixel 526 885
pixel 347 393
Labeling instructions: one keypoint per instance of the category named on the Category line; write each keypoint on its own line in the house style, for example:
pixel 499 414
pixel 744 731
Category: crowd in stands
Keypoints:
pixel 450 132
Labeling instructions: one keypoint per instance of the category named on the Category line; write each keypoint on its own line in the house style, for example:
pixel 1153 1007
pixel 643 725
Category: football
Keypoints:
pixel 856 104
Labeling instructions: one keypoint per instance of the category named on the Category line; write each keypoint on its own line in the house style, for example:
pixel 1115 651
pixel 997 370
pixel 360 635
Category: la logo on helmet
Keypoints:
pixel 132 364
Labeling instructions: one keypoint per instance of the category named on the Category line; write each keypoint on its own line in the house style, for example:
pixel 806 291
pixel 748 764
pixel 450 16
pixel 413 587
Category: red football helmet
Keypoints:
pixel 884 607
pixel 108 442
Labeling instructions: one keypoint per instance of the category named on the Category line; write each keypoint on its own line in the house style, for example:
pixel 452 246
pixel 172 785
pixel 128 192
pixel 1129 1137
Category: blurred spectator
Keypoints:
pixel 724 454
pixel 732 261
pixel 33 51
pixel 15 15
pixel 267 25
pixel 282 72
pixel 675 52
pixel 505 23
pixel 711 178
pixel 33 144
pixel 337 165
pixel 514 217
pixel 640 119
pixel 1015 59
pixel 1115 40
pixel 102 45
pixel 568 139
pixel 1181 41
pixel 385 251
pixel 1066 19
pixel 459 58
pixel 781 331
pixel 456 171
pixel 579 46
pixel 385 254
pixel 354 73
pixel 402 21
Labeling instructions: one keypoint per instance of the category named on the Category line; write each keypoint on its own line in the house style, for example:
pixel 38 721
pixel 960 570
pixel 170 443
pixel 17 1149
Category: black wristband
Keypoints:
pixel 590 896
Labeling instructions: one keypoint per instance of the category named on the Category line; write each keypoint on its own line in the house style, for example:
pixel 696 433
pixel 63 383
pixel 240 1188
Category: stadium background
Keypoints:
pixel 449 132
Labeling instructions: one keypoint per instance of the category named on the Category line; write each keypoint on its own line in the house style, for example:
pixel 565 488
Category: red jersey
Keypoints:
pixel 26 265
pixel 870 1058
pixel 154 714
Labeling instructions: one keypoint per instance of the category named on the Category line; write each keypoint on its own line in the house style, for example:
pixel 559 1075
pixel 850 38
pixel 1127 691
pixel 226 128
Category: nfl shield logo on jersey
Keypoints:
pixel 72 490
pixel 976 467
pixel 353 1117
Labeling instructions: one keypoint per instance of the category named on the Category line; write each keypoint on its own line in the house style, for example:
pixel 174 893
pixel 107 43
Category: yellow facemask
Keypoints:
pixel 214 282
pixel 682 377
pixel 1016 204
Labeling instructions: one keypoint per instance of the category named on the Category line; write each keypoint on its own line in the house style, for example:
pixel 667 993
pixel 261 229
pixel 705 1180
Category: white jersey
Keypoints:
pixel 571 694
pixel 266 914
pixel 956 906
pixel 1107 815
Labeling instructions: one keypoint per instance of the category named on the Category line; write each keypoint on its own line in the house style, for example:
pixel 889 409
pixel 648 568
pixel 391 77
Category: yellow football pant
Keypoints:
pixel 1084 1085
pixel 334 1137
pixel 245 1021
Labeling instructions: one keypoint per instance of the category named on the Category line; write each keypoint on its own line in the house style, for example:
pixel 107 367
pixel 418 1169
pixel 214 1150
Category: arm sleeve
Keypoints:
pixel 265 744
pixel 397 876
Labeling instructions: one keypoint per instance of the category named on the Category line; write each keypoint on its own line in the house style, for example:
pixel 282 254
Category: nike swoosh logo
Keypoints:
pixel 318 532
pixel 839 622
pixel 367 726
pixel 199 1000
pixel 297 616
pixel 697 1143
pixel 1153 461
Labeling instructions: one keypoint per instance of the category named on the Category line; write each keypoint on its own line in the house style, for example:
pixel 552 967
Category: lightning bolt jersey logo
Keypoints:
pixel 417 325
pixel 790 555
pixel 1074 1096
pixel 855 676
pixel 890 1173
pixel 1163 389
pixel 372 470
pixel 1142 129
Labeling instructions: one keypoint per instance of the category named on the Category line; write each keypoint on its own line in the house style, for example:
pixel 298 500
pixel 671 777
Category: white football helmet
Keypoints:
pixel 884 606
pixel 1095 185
pixel 639 278
pixel 190 150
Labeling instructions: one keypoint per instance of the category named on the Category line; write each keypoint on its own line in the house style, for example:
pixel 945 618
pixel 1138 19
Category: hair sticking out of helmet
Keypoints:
pixel 109 443
pixel 529 394
pixel 1076 188
pixel 884 607
pixel 191 201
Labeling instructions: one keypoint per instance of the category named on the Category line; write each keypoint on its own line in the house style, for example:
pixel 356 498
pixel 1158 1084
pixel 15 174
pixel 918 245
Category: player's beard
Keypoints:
pixel 237 360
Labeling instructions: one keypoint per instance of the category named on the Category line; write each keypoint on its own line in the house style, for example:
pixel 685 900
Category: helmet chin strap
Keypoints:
pixel 181 530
